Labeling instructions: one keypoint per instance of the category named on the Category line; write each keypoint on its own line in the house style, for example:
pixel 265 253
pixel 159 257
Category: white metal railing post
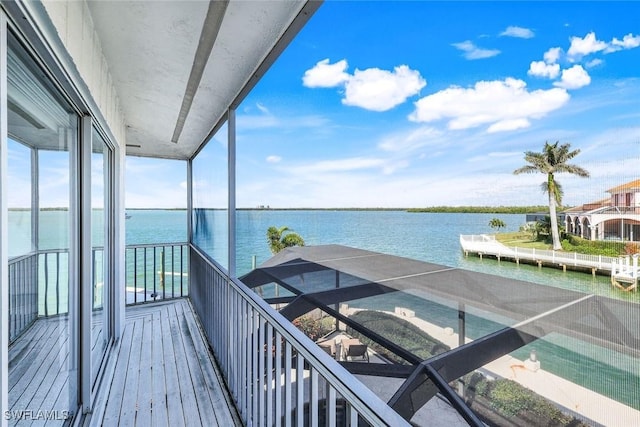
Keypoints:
pixel 190 200
pixel 231 129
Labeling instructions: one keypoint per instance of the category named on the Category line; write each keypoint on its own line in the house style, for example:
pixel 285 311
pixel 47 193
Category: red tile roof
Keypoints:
pixel 633 185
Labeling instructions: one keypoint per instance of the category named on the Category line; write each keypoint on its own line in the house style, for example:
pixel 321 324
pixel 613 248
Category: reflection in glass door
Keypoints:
pixel 43 297
pixel 100 251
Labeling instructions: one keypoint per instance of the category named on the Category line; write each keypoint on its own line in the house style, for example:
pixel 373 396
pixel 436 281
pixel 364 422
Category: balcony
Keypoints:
pixel 222 356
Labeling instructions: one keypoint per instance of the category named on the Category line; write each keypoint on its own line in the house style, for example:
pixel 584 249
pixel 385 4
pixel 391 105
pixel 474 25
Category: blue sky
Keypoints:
pixel 411 104
pixel 424 103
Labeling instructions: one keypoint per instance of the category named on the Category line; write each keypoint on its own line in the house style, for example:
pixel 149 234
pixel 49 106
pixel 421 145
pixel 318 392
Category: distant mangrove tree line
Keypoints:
pixel 483 209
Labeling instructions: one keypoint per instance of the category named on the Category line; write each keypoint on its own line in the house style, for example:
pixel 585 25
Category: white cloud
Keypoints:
pixel 502 105
pixel 247 122
pixel 594 63
pixel 519 32
pixel 507 125
pixel 628 42
pixel 574 78
pixel 274 159
pixel 340 165
pixel 324 74
pixel 542 69
pixel 381 90
pixel 262 108
pixel 412 140
pixel 495 155
pixel 471 51
pixel 372 89
pixel 584 46
pixel 552 55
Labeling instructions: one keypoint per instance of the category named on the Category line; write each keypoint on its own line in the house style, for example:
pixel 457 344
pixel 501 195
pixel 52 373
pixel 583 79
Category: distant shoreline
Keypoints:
pixel 433 209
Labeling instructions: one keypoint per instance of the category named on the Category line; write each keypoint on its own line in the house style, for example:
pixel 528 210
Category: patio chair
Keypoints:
pixel 356 351
pixel 328 346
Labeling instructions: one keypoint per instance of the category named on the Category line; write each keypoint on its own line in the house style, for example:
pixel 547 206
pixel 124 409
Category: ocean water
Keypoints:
pixel 430 237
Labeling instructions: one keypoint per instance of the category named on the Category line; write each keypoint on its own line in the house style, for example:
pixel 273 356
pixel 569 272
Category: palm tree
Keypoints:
pixel 278 240
pixel 552 160
pixel 497 223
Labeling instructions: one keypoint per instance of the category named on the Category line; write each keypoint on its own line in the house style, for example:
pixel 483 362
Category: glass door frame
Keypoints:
pixel 88 387
pixel 4 213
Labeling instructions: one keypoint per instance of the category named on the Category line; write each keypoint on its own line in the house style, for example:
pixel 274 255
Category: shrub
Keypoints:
pixel 313 328
pixel 510 399
pixel 400 332
pixel 592 247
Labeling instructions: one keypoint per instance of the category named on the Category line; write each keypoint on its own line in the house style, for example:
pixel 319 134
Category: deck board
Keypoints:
pixel 187 391
pixel 172 389
pixel 159 413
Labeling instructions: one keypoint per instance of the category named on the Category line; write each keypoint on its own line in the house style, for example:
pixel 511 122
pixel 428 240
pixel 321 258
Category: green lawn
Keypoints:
pixel 571 244
pixel 521 240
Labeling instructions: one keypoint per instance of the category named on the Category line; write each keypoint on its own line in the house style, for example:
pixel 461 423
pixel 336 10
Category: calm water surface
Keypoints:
pixel 430 237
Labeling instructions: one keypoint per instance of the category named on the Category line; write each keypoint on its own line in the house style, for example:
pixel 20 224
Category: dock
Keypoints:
pixel 624 271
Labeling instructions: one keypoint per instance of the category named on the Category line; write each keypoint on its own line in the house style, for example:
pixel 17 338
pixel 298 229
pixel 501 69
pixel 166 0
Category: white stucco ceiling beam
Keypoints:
pixel 210 29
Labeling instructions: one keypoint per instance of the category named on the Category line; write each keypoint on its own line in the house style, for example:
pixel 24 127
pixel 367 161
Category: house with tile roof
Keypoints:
pixel 614 218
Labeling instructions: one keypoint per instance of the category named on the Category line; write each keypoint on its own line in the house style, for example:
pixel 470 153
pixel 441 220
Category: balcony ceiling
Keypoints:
pixel 156 51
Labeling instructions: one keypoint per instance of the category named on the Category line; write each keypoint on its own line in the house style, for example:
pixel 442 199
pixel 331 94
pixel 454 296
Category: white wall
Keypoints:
pixel 74 25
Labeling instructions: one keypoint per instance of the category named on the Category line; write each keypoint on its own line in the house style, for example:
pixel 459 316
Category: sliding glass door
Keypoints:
pixel 42 230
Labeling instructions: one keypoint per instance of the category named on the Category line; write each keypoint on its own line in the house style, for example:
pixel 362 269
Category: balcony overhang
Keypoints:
pixel 177 66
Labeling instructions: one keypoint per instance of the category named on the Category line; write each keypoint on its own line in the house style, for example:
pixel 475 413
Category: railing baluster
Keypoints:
pixel 144 271
pixel 269 380
pixel 331 407
pixel 278 380
pixel 19 296
pixel 46 284
pixel 254 367
pixel 244 385
pixel 58 282
pixel 313 407
pixel 261 373
pixel 155 292
pixel 287 385
pixel 173 272
pixel 12 330
pixel 299 390
pixel 134 264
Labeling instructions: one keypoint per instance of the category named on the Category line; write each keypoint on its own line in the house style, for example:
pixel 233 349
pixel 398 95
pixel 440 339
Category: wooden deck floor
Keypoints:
pixel 164 375
pixel 161 373
pixel 39 372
